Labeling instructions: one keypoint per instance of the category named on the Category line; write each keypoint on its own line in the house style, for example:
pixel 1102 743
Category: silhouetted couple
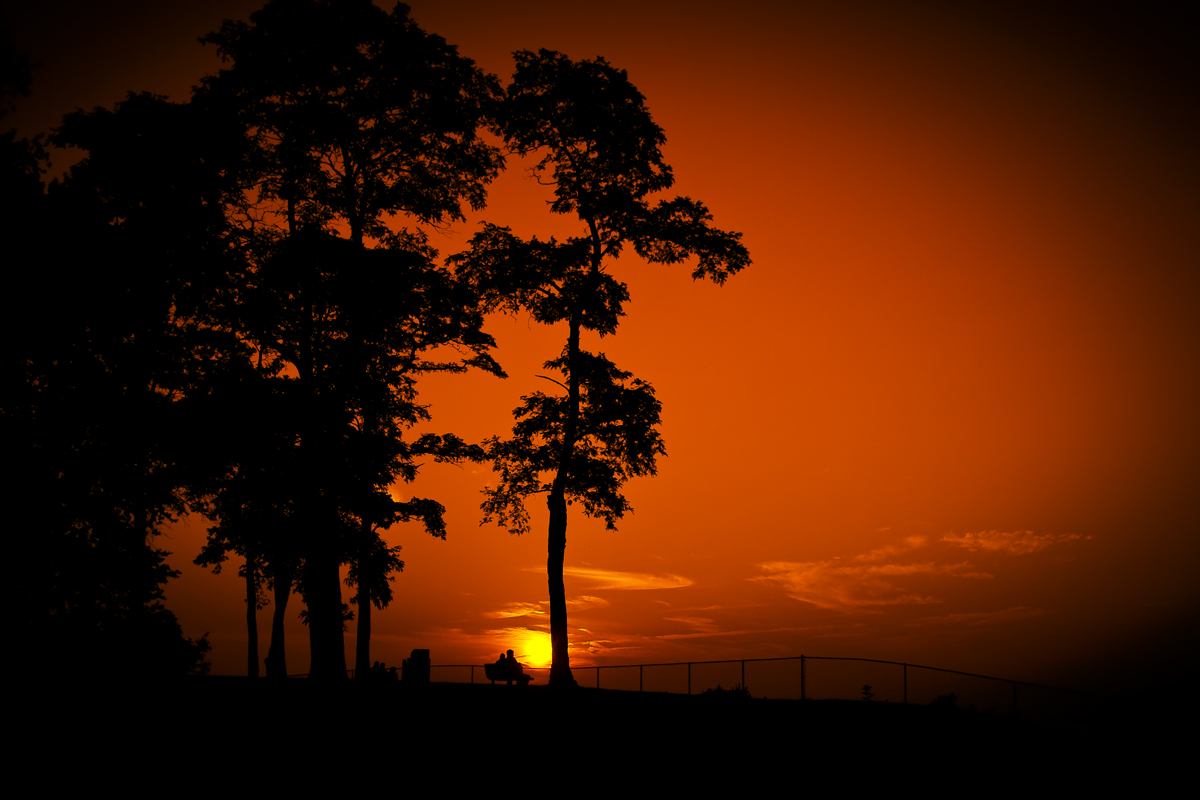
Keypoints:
pixel 508 669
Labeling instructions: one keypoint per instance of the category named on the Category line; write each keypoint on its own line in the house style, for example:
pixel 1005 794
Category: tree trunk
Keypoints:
pixel 556 502
pixel 323 596
pixel 251 618
pixel 560 664
pixel 322 553
pixel 362 643
pixel 276 657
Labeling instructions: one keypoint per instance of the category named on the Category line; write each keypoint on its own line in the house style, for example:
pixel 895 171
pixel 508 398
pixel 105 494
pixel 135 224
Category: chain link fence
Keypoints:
pixel 829 678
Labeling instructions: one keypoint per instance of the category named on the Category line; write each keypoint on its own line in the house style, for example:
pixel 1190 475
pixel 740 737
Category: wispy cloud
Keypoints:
pixel 703 634
pixel 516 610
pixel 887 551
pixel 1015 542
pixel 612 579
pixel 510 610
pixel 845 586
pixel 759 632
pixel 697 624
pixel 586 601
pixel 876 578
pixel 981 617
pixel 719 607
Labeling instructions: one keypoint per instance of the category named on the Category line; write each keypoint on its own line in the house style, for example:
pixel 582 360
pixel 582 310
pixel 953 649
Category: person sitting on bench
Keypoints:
pixel 509 669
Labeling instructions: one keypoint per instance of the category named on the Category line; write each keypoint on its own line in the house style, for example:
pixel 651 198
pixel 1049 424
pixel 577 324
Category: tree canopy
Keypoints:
pixel 356 114
pixel 102 372
pixel 353 116
pixel 264 301
pixel 598 147
pixel 250 341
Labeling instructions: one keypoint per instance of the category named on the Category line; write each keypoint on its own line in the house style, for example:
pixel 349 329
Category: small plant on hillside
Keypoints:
pixel 738 693
pixel 945 702
pixel 867 693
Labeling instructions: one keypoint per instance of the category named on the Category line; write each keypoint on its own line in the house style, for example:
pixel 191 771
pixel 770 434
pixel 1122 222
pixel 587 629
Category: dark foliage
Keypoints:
pixel 101 374
pixel 945 702
pixel 738 694
pixel 598 146
pixel 351 116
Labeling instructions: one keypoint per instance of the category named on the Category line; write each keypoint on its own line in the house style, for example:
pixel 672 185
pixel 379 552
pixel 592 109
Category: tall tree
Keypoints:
pixel 105 412
pixel 355 115
pixel 251 506
pixel 22 161
pixel 597 145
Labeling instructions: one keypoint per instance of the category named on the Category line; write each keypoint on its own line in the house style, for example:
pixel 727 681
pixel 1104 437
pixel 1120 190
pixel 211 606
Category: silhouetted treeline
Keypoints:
pixel 226 306
pixel 103 413
pixel 217 319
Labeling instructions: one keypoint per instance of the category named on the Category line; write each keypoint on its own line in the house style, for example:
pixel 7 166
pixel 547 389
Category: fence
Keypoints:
pixel 828 678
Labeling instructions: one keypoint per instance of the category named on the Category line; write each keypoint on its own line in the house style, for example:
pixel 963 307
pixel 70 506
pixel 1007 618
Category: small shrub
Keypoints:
pixel 945 702
pixel 738 693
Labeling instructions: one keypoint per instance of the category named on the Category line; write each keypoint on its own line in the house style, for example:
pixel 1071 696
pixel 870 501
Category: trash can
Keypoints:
pixel 415 668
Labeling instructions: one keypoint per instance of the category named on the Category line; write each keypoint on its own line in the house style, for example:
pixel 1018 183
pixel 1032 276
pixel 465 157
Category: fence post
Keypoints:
pixel 803 695
pixel 906 683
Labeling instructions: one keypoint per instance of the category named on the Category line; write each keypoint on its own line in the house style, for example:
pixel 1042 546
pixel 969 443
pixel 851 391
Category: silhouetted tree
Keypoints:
pixel 598 147
pixel 371 574
pixel 22 161
pixel 234 533
pixel 252 509
pixel 354 114
pixel 104 412
pixel 358 113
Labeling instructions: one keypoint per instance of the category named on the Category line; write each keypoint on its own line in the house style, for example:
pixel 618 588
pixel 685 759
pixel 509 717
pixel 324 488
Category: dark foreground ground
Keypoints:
pixel 219 735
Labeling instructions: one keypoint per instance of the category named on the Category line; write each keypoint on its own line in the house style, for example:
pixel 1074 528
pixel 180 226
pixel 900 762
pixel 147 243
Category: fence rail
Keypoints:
pixel 827 677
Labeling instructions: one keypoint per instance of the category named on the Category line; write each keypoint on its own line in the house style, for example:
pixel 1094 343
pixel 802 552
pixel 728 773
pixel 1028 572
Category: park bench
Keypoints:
pixel 495 673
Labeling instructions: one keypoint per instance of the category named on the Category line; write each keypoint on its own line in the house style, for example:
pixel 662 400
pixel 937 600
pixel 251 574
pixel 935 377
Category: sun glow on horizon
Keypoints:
pixel 531 647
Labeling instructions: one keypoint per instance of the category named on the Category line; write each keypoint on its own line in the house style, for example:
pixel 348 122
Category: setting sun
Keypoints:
pixel 532 648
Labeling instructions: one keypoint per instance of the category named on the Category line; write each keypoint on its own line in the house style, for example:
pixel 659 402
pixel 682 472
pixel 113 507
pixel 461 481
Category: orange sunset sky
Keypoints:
pixel 949 414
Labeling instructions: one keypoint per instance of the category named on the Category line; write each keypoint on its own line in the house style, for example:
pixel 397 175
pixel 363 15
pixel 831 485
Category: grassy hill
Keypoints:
pixel 385 736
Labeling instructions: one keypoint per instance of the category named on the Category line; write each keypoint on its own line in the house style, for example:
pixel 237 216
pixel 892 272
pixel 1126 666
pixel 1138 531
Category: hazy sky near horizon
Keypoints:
pixel 947 416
